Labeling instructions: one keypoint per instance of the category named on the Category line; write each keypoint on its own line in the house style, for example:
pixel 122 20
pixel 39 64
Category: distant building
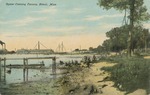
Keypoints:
pixel 35 51
pixel 83 51
pixel 41 51
pixel 23 51
pixel 3 45
pixel 3 51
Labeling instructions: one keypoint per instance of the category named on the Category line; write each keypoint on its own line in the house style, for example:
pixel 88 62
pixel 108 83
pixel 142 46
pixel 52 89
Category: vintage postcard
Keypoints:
pixel 74 47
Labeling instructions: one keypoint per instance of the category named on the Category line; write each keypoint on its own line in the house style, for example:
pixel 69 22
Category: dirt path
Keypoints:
pixel 97 76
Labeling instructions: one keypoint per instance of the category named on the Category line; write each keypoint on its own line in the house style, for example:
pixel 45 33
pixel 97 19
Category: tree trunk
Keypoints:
pixel 146 39
pixel 145 46
pixel 129 44
pixel 131 27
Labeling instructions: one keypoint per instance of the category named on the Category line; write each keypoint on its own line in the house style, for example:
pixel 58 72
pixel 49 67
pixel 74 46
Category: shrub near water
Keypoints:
pixel 130 74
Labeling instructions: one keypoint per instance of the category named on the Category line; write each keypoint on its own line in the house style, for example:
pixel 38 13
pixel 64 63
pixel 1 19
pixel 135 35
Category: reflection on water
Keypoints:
pixel 25 75
pixel 2 75
pixel 14 75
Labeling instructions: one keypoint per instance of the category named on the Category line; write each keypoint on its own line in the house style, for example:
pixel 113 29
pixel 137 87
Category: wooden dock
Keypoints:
pixel 25 62
pixel 22 66
pixel 25 65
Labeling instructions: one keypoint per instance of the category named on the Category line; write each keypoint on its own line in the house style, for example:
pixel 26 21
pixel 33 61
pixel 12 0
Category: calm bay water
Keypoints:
pixel 17 75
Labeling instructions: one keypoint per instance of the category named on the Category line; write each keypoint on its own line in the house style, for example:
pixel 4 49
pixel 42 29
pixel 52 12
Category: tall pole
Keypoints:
pixel 38 45
pixel 59 48
pixel 80 49
pixel 4 46
pixel 62 46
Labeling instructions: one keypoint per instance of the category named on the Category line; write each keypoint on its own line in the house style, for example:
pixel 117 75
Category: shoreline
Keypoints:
pixel 78 80
pixel 93 81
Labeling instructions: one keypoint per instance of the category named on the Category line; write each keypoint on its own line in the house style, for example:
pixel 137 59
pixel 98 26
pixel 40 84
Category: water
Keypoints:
pixel 21 75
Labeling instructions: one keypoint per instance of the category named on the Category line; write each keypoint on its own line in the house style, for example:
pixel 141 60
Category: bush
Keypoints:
pixel 130 74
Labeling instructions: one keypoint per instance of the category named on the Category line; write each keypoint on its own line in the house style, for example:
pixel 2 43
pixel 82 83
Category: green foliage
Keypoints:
pixel 140 37
pixel 118 39
pixel 117 4
pixel 137 13
pixel 140 12
pixel 130 74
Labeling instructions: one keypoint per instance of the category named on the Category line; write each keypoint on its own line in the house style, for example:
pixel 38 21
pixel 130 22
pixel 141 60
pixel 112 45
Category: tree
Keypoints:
pixel 137 14
pixel 100 49
pixel 77 49
pixel 118 38
pixel 140 38
pixel 106 44
pixel 91 48
pixel 145 38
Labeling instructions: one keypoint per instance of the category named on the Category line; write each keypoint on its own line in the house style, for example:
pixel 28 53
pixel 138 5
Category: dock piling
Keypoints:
pixel 0 70
pixel 24 63
pixel 4 69
pixel 54 65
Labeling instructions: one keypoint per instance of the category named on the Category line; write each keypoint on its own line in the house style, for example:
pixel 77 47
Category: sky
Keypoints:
pixel 76 23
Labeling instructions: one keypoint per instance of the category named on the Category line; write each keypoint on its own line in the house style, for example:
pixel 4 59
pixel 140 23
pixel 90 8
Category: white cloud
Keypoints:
pixel 109 26
pixel 106 27
pixel 16 33
pixel 24 21
pixel 61 29
pixel 27 20
pixel 51 10
pixel 94 18
pixel 76 10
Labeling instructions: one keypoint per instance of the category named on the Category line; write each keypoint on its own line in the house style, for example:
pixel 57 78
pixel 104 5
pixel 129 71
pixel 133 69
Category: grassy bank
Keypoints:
pixel 130 74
